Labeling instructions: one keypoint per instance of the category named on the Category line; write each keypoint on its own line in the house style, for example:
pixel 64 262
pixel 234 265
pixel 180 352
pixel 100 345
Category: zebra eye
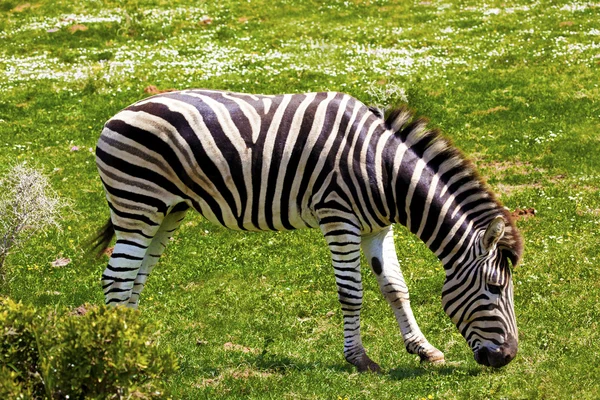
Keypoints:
pixel 494 289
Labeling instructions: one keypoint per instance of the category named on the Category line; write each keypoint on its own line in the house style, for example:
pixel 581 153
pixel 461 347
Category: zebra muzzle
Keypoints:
pixel 499 356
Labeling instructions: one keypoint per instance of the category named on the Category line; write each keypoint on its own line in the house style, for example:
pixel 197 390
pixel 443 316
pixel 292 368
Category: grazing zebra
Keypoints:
pixel 270 163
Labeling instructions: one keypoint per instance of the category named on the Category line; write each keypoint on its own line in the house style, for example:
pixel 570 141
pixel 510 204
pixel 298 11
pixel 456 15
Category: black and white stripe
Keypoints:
pixel 258 163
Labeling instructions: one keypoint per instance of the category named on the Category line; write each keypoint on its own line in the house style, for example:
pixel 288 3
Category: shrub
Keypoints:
pixel 20 328
pixel 96 352
pixel 11 388
pixel 27 205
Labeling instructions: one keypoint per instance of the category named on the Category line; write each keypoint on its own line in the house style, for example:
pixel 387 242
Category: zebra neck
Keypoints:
pixel 442 202
pixel 434 191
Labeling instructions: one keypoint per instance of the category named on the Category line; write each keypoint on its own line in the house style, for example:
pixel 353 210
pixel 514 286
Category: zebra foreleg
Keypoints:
pixel 343 240
pixel 159 243
pixel 380 252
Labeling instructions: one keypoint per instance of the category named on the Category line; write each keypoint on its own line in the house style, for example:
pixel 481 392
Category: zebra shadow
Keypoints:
pixel 407 372
pixel 280 364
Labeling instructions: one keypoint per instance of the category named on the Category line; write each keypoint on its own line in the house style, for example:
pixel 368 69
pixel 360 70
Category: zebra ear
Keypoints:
pixel 493 233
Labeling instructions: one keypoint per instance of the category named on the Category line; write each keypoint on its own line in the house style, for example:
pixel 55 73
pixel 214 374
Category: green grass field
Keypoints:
pixel 513 84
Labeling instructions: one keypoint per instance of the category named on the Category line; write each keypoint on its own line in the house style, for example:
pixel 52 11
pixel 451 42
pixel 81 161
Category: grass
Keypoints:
pixel 514 84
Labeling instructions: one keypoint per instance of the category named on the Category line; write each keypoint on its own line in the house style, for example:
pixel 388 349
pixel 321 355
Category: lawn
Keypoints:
pixel 514 84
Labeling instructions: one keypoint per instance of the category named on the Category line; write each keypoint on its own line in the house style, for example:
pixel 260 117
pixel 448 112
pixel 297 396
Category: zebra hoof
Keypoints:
pixel 368 365
pixel 433 356
pixel 363 363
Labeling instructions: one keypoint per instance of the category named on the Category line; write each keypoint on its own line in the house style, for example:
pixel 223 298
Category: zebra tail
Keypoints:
pixel 102 238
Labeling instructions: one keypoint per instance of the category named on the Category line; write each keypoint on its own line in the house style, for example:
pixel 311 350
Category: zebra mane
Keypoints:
pixel 432 145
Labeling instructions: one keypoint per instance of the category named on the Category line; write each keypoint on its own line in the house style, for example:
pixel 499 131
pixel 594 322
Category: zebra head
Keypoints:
pixel 478 295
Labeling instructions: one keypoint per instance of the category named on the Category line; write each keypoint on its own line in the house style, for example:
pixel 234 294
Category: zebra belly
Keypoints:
pixel 264 216
pixel 247 224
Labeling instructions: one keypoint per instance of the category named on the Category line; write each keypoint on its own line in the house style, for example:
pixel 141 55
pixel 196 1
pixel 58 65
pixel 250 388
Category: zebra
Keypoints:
pixel 313 160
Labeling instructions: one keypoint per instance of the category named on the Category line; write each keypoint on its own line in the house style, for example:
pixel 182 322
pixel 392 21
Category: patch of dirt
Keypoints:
pixel 245 373
pixel 61 262
pixel 500 169
pixel 108 251
pixel 589 211
pixel 557 178
pixel 81 310
pixel 249 373
pixel 206 382
pixel 324 324
pixel 504 190
pixel 490 111
pixel 205 20
pixel 154 90
pixel 523 213
pixel 238 347
pixel 23 7
pixel 77 27
pixel 501 166
pixel 193 286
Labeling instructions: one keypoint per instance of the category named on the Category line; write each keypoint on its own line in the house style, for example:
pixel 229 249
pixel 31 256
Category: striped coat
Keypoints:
pixel 258 163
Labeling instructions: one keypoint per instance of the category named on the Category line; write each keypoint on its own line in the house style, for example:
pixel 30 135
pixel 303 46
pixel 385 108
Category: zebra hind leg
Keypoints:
pixel 343 239
pixel 126 259
pixel 380 252
pixel 159 243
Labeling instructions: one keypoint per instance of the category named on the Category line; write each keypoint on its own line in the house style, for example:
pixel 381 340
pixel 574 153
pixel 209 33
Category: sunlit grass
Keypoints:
pixel 515 85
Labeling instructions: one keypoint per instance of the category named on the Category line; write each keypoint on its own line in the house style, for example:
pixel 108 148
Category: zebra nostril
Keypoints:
pixel 509 349
pixel 481 356
pixel 511 342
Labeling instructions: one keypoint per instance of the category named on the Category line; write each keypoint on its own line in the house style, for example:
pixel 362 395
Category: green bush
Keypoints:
pixel 11 387
pixel 94 352
pixel 20 328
